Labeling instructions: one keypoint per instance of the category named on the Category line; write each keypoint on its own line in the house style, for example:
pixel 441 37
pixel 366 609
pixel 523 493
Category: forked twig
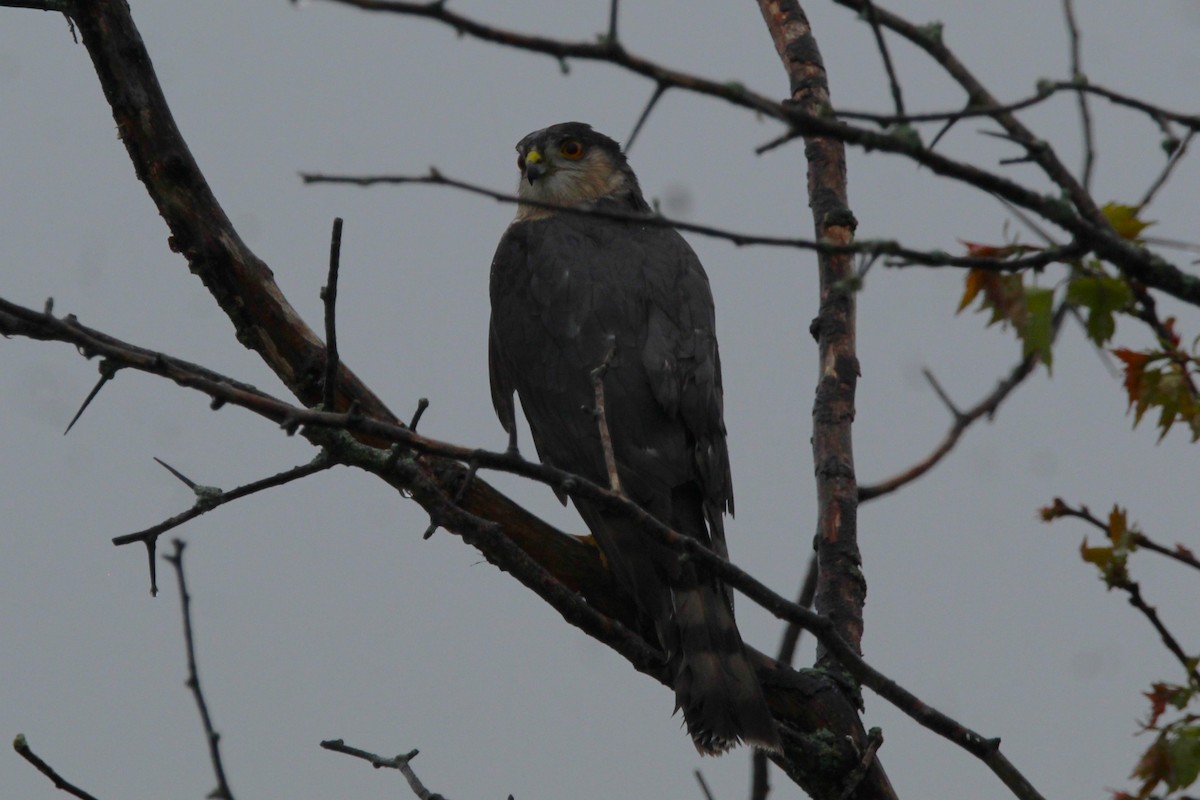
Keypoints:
pixel 399 762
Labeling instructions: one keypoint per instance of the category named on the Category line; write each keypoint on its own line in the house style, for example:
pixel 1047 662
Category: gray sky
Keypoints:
pixel 320 612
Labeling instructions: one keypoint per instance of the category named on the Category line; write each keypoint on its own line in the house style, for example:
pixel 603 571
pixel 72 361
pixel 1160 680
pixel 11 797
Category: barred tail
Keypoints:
pixel 715 684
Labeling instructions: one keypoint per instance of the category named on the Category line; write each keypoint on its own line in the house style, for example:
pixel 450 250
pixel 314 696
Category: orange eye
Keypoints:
pixel 571 149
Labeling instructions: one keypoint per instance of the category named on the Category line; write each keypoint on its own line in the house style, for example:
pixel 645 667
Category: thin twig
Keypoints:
pixel 612 21
pixel 61 783
pixel 1134 590
pixel 218 498
pixel 193 681
pixel 60 6
pixel 760 784
pixel 184 479
pixel 930 258
pixel 962 420
pixel 874 740
pixel 1131 587
pixel 968 111
pixel 659 90
pixel 941 393
pixel 1085 113
pixel 422 405
pixel 1179 553
pixel 1045 91
pixel 791 633
pixel 708 795
pixel 107 373
pixel 1176 156
pixel 760 775
pixel 329 297
pixel 881 43
pixel 610 459
pixel 399 762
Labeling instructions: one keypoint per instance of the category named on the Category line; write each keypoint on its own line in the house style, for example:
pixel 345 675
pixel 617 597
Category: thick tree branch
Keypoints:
pixel 806 702
pixel 841 589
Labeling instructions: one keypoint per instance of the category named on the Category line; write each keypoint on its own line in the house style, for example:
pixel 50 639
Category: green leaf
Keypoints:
pixel 1102 296
pixel 1038 332
pixel 1184 755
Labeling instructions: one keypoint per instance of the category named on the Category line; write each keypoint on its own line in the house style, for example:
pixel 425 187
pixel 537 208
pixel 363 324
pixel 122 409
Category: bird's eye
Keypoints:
pixel 520 162
pixel 571 149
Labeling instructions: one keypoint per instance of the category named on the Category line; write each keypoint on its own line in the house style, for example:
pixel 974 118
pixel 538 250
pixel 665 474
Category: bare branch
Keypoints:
pixel 61 783
pixel 874 741
pixel 659 90
pixel 1085 113
pixel 1178 553
pixel 1134 590
pixel 399 762
pixel 791 634
pixel 107 373
pixel 215 499
pixel 193 681
pixel 1119 578
pixel 601 415
pixel 61 6
pixel 489 538
pixel 606 49
pixel 329 297
pixel 1081 217
pixel 760 785
pixel 962 420
pixel 881 43
pixel 1173 161
pixel 1190 121
pixel 760 780
pixel 978 94
pixel 874 247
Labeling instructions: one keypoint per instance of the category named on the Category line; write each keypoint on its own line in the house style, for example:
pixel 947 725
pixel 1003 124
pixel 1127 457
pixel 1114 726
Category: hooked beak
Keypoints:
pixel 535 166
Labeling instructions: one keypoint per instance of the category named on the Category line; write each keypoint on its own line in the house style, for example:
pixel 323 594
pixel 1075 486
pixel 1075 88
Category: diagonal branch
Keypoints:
pixel 61 783
pixel 399 762
pixel 902 256
pixel 212 500
pixel 1117 577
pixel 819 707
pixel 961 420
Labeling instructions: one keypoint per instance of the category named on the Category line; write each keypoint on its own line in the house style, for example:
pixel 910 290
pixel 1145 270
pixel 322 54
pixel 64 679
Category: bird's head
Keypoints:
pixel 570 164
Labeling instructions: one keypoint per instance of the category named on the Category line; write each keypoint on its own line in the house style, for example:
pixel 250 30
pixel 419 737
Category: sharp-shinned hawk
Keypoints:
pixel 571 292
